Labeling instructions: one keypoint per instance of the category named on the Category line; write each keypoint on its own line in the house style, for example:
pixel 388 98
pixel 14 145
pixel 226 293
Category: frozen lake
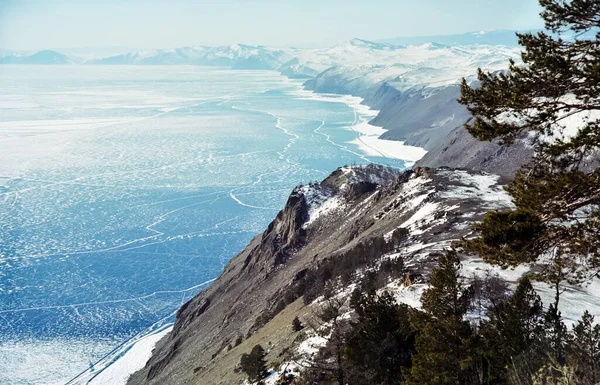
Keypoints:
pixel 124 189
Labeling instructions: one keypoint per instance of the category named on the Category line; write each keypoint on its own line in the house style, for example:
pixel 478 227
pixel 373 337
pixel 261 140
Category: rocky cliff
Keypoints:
pixel 358 210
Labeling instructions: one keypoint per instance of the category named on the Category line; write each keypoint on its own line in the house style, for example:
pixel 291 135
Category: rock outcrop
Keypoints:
pixel 353 207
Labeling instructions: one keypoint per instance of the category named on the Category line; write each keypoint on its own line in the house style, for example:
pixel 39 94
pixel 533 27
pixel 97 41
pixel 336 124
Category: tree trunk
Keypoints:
pixel 339 364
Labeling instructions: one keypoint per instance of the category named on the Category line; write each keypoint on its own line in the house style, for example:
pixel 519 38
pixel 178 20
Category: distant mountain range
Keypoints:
pixel 236 55
pixel 42 57
pixel 414 87
pixel 293 62
pixel 240 56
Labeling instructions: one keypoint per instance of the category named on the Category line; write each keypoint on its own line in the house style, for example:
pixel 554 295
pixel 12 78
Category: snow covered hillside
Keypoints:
pixel 370 214
pixel 427 64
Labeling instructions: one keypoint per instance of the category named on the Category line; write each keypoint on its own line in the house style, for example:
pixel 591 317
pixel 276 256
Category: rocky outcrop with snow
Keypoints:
pixel 353 207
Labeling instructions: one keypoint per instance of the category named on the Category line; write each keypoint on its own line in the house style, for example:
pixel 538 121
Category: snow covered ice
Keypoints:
pixel 125 190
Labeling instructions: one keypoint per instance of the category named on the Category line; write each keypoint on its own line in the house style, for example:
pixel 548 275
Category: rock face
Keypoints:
pixel 353 207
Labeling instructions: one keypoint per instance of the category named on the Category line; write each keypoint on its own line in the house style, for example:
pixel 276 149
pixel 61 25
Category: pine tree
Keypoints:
pixel 297 325
pixel 380 342
pixel 556 335
pixel 584 351
pixel 254 364
pixel 512 336
pixel 443 339
pixel 556 222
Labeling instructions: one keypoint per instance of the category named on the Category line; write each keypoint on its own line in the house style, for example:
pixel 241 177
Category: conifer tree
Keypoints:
pixel 443 339
pixel 552 98
pixel 380 342
pixel 296 324
pixel 254 364
pixel 556 335
pixel 584 351
pixel 512 335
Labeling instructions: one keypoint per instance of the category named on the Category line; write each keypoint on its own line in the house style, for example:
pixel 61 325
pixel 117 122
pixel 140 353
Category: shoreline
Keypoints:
pixel 368 141
pixel 127 358
pixel 134 359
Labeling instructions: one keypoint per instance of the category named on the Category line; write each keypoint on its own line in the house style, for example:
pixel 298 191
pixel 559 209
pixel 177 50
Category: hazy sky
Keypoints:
pixel 30 24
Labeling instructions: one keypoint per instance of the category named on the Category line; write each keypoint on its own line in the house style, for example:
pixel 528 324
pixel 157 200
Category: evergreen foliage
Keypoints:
pixel 556 335
pixel 556 221
pixel 380 343
pixel 254 364
pixel 443 335
pixel 516 343
pixel 512 335
pixel 584 350
pixel 297 325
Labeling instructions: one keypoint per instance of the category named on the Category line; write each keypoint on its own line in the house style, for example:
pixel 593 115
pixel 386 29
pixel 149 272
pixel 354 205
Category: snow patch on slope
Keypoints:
pixel 483 187
pixel 408 295
pixel 422 215
pixel 320 201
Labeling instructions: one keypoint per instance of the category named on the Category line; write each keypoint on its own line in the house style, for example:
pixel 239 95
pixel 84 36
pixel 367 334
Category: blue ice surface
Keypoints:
pixel 108 227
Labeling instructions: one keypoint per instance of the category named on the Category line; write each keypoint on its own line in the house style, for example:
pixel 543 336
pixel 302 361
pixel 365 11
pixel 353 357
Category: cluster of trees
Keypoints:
pixel 517 341
pixel 450 340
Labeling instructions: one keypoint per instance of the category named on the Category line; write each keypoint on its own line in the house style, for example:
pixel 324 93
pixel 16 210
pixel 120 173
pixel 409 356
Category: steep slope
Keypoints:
pixel 461 150
pixel 422 117
pixel 416 92
pixel 357 208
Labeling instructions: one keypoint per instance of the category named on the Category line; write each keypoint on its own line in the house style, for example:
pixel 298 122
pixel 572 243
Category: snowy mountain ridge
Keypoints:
pixel 415 87
pixel 380 213
pixel 450 61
